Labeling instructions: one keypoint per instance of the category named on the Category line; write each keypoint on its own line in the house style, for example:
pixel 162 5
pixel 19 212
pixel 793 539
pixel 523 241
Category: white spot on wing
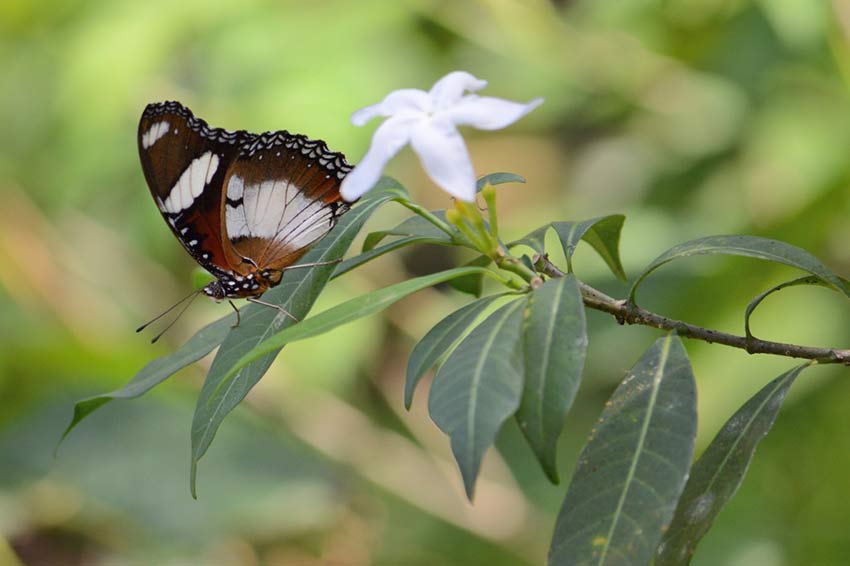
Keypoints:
pixel 191 183
pixel 276 210
pixel 153 134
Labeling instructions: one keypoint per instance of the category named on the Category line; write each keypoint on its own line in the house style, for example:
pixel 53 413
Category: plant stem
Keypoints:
pixel 628 313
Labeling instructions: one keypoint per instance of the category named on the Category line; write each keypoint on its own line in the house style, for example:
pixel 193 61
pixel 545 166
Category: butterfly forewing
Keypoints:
pixel 185 162
pixel 244 205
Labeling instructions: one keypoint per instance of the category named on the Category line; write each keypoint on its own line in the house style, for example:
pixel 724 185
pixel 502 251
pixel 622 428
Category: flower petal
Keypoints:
pixel 488 113
pixel 444 157
pixel 388 140
pixel 448 91
pixel 396 101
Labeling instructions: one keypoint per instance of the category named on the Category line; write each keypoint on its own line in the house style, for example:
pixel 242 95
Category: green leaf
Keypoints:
pixel 748 246
pixel 296 293
pixel 472 284
pixel 555 342
pixel 413 226
pixel 603 234
pixel 373 253
pixel 155 372
pixel 349 311
pixel 718 473
pixel 536 240
pixel 634 466
pixel 438 341
pixel 497 179
pixel 479 387
pixel 807 280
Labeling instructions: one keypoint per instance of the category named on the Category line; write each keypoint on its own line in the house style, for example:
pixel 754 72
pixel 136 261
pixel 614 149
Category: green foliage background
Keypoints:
pixel 692 117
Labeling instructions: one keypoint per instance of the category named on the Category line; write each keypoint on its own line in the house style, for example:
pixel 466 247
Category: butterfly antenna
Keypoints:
pixel 191 295
pixel 176 318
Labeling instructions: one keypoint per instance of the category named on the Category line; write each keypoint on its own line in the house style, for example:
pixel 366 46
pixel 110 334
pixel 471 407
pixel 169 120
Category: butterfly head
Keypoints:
pixel 215 290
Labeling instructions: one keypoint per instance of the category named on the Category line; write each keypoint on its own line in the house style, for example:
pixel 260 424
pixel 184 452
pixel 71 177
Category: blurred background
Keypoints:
pixel 692 117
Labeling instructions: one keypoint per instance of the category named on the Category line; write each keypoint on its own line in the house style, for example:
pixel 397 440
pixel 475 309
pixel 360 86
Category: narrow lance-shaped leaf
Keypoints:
pixel 438 341
pixel 633 468
pixel 349 311
pixel 555 341
pixel 155 372
pixel 718 473
pixel 749 246
pixel 413 226
pixel 296 293
pixel 374 253
pixel 479 387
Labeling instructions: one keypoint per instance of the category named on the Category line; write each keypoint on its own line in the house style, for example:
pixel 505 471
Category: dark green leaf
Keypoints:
pixel 807 280
pixel 479 387
pixel 498 179
pixel 555 342
pixel 634 466
pixel 296 293
pixel 438 341
pixel 603 234
pixel 718 473
pixel 535 240
pixel 155 372
pixel 472 284
pixel 749 246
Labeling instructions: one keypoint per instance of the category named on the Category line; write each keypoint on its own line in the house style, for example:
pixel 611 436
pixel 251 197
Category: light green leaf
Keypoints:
pixel 479 387
pixel 349 311
pixel 748 246
pixel 155 372
pixel 718 473
pixel 555 342
pixel 412 226
pixel 631 472
pixel 438 341
pixel 296 293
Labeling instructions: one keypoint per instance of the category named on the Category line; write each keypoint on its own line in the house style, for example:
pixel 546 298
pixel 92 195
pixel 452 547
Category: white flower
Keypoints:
pixel 428 122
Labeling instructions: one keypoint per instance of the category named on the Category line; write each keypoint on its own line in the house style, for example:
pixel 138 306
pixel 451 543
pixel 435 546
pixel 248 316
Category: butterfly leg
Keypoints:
pixel 238 317
pixel 278 307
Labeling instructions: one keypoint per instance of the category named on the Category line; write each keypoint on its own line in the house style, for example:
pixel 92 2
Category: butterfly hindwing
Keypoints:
pixel 282 195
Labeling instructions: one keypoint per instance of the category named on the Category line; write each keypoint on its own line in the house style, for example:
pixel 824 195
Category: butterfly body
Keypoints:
pixel 245 206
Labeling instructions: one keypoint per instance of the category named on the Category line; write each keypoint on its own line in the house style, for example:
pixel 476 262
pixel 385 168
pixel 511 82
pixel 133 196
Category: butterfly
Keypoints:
pixel 245 206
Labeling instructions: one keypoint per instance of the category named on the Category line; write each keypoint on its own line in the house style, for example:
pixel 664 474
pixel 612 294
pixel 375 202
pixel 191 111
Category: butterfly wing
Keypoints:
pixel 185 163
pixel 282 195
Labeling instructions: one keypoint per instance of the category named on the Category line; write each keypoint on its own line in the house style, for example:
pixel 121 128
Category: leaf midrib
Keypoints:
pixel 476 378
pixel 659 372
